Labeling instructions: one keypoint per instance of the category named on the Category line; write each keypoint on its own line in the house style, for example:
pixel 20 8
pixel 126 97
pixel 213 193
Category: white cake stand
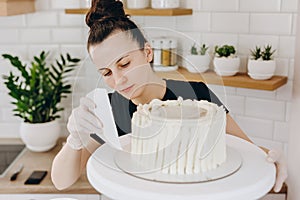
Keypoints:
pixel 253 180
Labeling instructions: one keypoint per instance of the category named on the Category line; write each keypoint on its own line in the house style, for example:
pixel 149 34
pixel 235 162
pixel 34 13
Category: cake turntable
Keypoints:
pixel 108 175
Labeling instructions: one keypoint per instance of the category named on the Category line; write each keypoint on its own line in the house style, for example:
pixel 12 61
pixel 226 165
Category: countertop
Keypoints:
pixel 39 161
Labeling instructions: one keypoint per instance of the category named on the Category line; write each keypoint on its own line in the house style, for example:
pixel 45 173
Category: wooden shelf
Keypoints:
pixel 16 7
pixel 241 80
pixel 142 12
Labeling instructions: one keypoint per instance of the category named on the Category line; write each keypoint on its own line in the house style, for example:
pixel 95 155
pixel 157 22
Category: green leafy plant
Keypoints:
pixel 265 54
pixel 202 51
pixel 38 90
pixel 225 51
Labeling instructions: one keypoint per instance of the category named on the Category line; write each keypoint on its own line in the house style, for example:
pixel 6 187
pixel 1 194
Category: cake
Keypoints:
pixel 179 137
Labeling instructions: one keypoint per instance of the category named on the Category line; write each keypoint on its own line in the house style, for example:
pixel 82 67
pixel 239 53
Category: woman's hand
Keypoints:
pixel 82 122
pixel 277 157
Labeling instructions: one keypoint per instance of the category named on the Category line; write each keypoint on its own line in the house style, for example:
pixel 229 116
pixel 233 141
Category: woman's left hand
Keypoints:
pixel 277 157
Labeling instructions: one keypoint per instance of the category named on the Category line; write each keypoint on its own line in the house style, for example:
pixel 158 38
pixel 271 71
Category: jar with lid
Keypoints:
pixel 157 48
pixel 173 52
pixel 165 54
pixel 169 52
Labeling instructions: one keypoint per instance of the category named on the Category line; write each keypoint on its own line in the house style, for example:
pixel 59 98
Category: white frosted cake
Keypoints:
pixel 179 136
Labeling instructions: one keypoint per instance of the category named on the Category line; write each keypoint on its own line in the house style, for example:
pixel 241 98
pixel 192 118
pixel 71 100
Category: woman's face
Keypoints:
pixel 124 66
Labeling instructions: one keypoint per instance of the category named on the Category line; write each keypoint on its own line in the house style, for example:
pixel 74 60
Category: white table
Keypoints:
pixel 253 180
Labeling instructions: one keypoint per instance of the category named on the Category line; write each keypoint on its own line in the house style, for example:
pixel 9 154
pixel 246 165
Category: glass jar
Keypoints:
pixel 173 52
pixel 157 51
pixel 165 54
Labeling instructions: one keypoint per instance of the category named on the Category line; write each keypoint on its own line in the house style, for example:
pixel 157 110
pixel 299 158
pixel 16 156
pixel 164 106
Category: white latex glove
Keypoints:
pixel 277 157
pixel 82 122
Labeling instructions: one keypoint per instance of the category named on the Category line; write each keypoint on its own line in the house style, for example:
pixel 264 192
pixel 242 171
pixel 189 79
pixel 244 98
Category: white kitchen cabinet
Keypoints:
pixel 49 196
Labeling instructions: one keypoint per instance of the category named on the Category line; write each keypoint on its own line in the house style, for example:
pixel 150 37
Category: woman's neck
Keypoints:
pixel 156 89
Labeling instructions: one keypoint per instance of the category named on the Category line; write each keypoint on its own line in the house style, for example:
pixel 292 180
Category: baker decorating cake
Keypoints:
pixel 178 137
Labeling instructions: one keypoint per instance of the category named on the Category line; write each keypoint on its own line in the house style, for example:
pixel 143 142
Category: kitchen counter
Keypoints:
pixel 39 161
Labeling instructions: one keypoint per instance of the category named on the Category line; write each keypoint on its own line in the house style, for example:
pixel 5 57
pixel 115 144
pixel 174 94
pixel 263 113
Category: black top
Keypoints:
pixel 123 108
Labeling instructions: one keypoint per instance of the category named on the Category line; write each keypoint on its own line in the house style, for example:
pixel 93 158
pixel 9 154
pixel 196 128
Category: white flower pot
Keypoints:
pixel 40 137
pixel 197 63
pixel 261 69
pixel 226 66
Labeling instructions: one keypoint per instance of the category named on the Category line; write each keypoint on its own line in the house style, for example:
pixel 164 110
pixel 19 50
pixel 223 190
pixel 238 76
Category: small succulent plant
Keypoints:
pixel 256 53
pixel 225 51
pixel 202 51
pixel 194 50
pixel 265 54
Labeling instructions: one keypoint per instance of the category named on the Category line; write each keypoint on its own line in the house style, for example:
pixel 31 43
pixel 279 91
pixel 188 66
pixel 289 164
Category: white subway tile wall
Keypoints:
pixel 35 36
pixel 216 5
pixel 264 115
pixel 270 23
pixel 230 22
pixel 289 5
pixel 42 19
pixel 13 21
pixel 260 128
pixel 260 6
pixel 200 22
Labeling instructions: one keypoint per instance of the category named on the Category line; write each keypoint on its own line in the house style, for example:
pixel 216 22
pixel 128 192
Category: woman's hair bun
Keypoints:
pixel 102 9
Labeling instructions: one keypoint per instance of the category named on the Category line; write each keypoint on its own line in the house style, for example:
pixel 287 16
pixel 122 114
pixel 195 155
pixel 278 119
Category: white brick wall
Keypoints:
pixel 263 115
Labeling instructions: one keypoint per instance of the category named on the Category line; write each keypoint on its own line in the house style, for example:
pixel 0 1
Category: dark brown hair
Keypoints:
pixel 107 16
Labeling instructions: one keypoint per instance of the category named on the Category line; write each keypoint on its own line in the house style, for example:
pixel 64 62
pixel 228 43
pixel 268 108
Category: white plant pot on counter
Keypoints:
pixel 226 66
pixel 197 63
pixel 40 137
pixel 261 69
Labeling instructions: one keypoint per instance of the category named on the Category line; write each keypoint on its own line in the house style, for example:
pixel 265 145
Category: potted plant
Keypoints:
pixel 198 61
pixel 226 63
pixel 261 65
pixel 37 92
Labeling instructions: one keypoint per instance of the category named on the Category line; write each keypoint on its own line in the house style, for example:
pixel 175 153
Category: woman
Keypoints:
pixel 122 55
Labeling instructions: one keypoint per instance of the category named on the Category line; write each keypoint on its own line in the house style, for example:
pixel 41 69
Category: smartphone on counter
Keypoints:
pixel 36 177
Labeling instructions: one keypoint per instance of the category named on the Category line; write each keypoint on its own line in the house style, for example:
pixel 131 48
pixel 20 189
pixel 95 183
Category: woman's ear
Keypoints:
pixel 148 51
